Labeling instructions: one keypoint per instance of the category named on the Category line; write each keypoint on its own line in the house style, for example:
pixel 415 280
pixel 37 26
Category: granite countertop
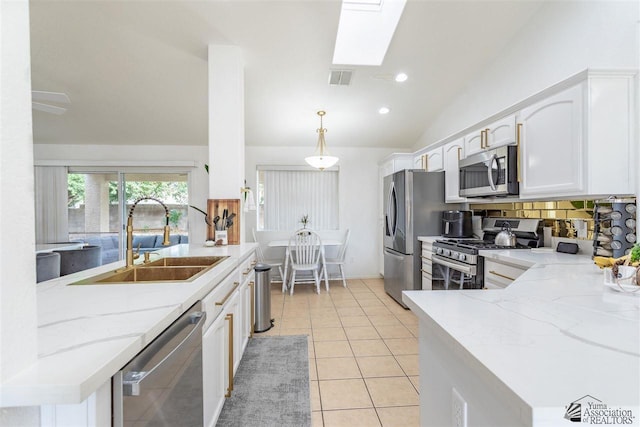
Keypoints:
pixel 553 336
pixel 86 333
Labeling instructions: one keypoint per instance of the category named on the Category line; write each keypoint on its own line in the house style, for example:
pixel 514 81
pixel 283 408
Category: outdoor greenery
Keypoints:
pixel 170 192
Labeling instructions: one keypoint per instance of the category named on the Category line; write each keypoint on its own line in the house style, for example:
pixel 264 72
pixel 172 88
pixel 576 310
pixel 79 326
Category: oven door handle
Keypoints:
pixel 463 268
pixel 131 380
pixel 490 163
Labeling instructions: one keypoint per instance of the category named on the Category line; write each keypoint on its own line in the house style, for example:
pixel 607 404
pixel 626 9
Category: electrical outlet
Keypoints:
pixel 458 409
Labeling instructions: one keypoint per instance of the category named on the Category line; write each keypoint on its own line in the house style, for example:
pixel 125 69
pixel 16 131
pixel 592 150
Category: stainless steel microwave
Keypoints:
pixel 490 173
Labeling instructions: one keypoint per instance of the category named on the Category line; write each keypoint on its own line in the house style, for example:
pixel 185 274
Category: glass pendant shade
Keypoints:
pixel 321 159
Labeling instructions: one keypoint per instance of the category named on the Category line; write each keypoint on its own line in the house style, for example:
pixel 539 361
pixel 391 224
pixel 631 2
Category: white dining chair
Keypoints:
pixel 305 254
pixel 339 260
pixel 261 258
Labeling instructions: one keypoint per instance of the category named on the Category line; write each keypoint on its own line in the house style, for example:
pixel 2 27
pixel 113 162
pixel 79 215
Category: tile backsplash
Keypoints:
pixel 571 219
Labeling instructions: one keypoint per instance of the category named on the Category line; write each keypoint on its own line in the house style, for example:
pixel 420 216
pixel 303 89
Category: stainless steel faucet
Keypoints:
pixel 130 255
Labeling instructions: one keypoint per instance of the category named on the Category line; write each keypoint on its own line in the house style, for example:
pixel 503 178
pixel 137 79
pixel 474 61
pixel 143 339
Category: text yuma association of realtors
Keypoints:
pixel 599 413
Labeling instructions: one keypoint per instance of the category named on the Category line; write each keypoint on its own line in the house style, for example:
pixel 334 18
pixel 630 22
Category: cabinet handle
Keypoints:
pixel 253 303
pixel 253 263
pixel 482 139
pixel 235 286
pixel 501 275
pixel 247 271
pixel 486 138
pixel 459 153
pixel 518 139
pixel 229 317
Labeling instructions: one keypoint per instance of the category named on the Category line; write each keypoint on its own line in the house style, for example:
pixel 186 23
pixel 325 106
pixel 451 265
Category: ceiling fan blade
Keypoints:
pixel 59 97
pixel 48 108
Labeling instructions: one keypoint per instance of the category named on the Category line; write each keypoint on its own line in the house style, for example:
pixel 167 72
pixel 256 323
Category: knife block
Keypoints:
pixel 215 207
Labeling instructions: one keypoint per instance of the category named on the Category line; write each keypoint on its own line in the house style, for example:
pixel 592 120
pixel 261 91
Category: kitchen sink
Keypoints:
pixel 171 269
pixel 190 261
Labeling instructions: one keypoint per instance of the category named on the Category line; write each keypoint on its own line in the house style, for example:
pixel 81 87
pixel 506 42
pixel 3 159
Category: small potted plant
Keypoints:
pixel 304 221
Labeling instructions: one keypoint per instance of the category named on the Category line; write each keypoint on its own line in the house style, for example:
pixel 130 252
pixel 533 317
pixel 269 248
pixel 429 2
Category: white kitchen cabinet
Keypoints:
pixel 474 142
pixel 396 162
pixel 496 134
pixel 430 161
pixel 434 161
pixel 225 335
pixel 499 274
pixel 93 411
pixel 427 266
pixel 579 142
pixel 247 280
pixel 215 362
pixel 552 145
pixel 453 152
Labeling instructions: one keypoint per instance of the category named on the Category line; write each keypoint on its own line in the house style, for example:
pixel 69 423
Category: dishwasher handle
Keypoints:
pixel 132 380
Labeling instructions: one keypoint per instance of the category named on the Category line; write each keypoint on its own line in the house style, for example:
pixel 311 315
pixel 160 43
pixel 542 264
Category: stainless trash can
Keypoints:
pixel 262 298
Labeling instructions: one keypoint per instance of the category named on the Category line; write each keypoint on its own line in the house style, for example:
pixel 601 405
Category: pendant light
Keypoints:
pixel 321 159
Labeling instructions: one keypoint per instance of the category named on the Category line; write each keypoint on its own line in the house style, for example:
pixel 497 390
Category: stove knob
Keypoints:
pixel 447 252
pixel 439 251
pixel 462 257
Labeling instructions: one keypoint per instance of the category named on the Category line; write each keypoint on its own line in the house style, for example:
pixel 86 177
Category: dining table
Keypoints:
pixel 285 244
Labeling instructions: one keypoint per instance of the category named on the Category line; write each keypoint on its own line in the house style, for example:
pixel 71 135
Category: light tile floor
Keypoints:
pixel 363 352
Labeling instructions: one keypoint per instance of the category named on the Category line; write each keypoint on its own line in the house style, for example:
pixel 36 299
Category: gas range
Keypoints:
pixel 457 260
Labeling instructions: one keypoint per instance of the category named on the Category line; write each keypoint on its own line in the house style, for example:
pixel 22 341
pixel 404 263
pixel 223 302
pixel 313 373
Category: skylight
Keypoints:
pixel 365 30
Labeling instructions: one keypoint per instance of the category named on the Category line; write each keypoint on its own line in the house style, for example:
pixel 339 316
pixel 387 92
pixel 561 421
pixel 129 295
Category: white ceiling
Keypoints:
pixel 136 72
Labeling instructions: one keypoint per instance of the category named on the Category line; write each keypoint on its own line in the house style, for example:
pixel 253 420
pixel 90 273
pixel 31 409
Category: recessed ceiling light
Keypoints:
pixel 401 77
pixel 384 110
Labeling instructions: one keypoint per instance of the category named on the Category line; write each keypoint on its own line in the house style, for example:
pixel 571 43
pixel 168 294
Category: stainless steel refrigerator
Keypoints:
pixel 413 205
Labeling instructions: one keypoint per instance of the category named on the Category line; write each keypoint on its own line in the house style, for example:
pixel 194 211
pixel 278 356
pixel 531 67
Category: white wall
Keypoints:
pixel 18 320
pixel 359 193
pixel 143 154
pixel 562 39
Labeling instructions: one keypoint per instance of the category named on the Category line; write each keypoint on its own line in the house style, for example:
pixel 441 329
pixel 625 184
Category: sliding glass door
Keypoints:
pixel 100 202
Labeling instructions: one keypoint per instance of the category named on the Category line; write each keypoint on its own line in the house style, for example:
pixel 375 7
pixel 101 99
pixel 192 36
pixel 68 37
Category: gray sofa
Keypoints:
pixel 147 243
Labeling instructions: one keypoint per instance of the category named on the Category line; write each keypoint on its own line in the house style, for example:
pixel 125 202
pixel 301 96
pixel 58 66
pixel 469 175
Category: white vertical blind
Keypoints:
pixel 291 194
pixel 51 198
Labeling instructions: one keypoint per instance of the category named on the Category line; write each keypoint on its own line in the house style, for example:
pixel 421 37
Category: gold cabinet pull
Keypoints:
pixel 426 162
pixel 486 138
pixel 229 317
pixel 253 296
pixel 501 275
pixel 235 286
pixel 247 271
pixel 518 139
pixel 482 139
pixel 459 153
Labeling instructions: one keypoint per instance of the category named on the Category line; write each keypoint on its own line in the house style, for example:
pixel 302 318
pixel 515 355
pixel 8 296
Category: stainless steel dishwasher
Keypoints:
pixel 162 385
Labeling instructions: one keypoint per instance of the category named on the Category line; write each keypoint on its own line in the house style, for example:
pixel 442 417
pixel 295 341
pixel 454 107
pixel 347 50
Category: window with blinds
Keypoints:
pixel 285 195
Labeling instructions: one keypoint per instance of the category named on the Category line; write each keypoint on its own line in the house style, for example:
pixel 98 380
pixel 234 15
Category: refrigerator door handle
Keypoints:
pixel 392 211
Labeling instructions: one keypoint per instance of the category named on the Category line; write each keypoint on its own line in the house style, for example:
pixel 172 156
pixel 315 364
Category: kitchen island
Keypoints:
pixel 554 343
pixel 86 333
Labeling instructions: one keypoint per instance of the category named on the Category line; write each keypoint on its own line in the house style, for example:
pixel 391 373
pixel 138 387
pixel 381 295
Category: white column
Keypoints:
pixel 18 346
pixel 226 123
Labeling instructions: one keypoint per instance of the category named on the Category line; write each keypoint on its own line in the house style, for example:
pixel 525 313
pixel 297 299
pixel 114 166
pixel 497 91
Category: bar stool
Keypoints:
pixel 74 260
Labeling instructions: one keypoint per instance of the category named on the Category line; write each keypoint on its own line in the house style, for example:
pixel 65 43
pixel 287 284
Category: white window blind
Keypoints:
pixel 288 195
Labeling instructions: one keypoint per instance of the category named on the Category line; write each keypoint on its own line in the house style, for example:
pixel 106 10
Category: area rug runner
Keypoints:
pixel 271 386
